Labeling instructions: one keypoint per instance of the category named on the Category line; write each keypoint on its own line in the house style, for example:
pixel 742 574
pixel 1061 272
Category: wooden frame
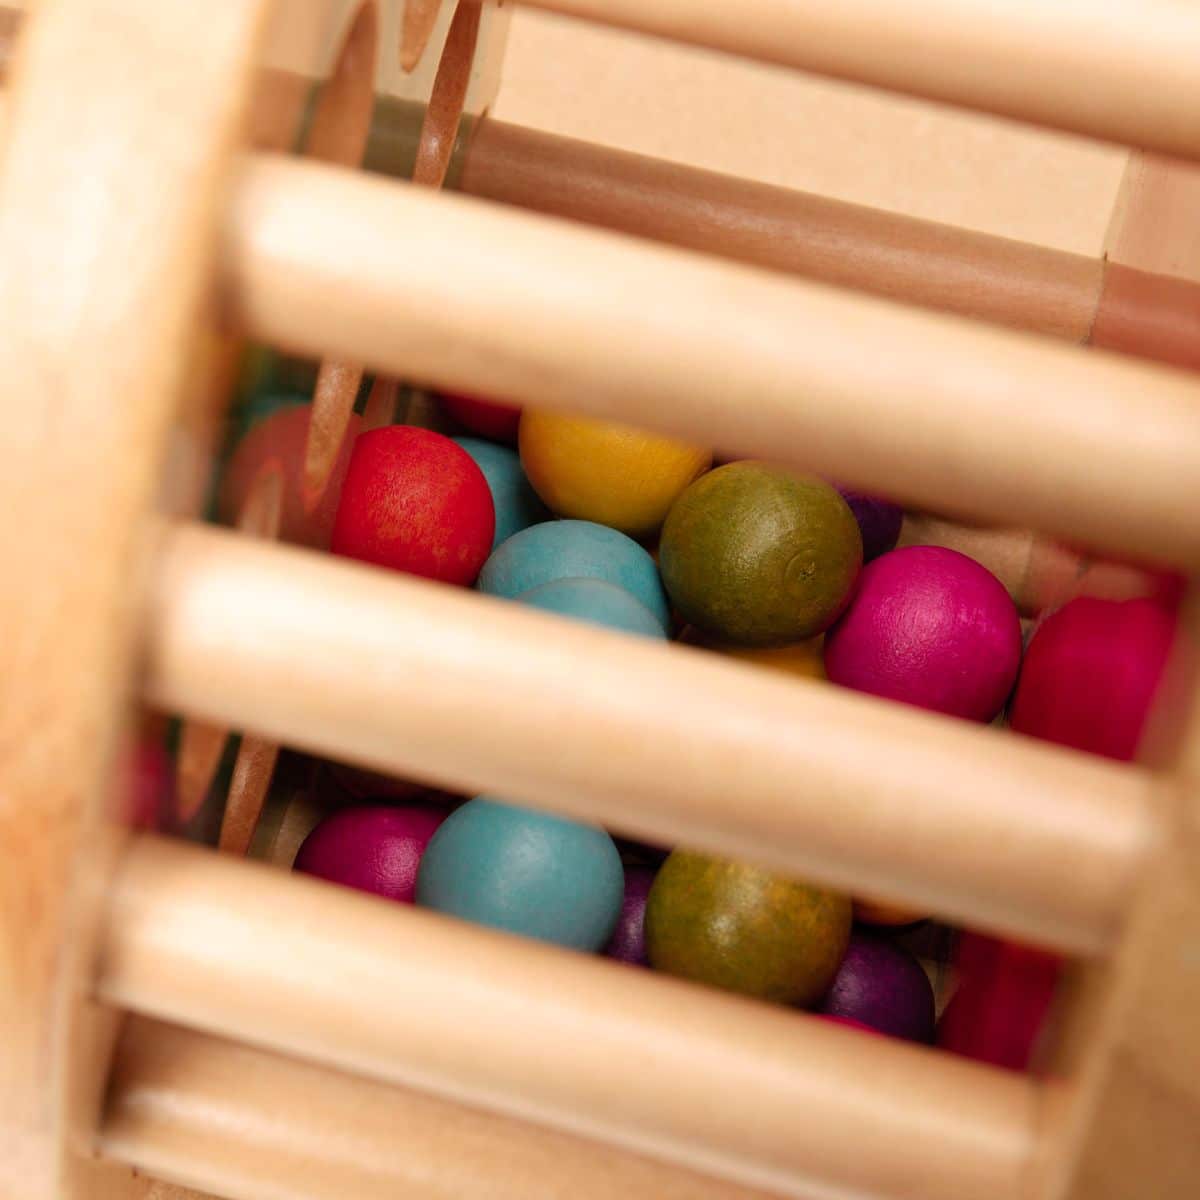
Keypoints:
pixel 167 234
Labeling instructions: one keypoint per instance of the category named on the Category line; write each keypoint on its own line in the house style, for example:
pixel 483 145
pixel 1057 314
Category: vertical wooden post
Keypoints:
pixel 124 116
pixel 1124 1094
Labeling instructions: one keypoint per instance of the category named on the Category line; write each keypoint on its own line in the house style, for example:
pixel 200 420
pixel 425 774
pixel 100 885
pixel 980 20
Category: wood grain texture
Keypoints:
pixel 107 222
pixel 982 424
pixel 888 254
pixel 1127 78
pixel 648 739
pixel 253 1125
pixel 548 1035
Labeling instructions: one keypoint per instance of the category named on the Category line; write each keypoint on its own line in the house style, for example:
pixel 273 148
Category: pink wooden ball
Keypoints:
pixel 932 628
pixel 373 848
pixel 1091 673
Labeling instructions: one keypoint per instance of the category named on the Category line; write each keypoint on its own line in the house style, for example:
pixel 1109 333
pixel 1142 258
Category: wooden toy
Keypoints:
pixel 1091 672
pixel 414 501
pixel 374 848
pixel 597 601
pixel 524 872
pixel 738 927
pixel 883 986
pixel 628 941
pixel 179 182
pixel 516 503
pixel 574 550
pixel 608 473
pixel 929 627
pixel 755 555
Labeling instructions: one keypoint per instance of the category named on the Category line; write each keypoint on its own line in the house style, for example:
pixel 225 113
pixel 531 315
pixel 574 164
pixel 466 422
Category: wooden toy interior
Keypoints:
pixel 176 1014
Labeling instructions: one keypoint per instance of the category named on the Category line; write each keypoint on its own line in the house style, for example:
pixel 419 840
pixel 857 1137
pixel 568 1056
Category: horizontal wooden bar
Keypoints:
pixel 945 415
pixel 750 1092
pixel 247 1124
pixel 921 262
pixel 1124 72
pixel 666 743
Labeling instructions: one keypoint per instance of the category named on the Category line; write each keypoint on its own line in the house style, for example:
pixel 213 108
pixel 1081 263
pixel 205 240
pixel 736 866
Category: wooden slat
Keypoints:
pixel 888 254
pixel 248 1124
pixel 666 743
pixel 754 1093
pixel 945 415
pixel 1124 72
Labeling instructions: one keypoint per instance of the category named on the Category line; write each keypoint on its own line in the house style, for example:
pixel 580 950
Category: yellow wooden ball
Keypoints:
pixel 610 474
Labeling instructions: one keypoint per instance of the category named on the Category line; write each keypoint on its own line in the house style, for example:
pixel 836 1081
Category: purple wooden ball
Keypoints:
pixel 930 627
pixel 878 520
pixel 628 942
pixel 883 986
pixel 374 848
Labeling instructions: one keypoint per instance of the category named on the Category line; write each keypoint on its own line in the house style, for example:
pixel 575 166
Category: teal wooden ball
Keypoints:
pixel 526 872
pixel 517 504
pixel 574 550
pixel 597 602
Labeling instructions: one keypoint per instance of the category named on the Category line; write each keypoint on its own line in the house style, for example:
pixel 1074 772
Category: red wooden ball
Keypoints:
pixel 415 501
pixel 1090 674
pixel 484 417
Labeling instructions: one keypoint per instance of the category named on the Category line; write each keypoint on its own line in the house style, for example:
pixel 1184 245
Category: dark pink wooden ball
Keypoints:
pixel 1091 673
pixel 932 628
pixel 879 521
pixel 881 985
pixel 628 941
pixel 374 848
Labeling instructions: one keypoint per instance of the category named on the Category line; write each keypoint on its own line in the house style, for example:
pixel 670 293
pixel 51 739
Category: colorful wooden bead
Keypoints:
pixel 281 438
pixel 932 628
pixel 597 602
pixel 742 928
pixel 373 848
pixel 414 501
pixel 611 474
pixel 516 503
pixel 879 521
pixel 1091 672
pixel 574 550
pixel 628 941
pixel 883 986
pixel 525 872
pixel 755 555
pixel 498 422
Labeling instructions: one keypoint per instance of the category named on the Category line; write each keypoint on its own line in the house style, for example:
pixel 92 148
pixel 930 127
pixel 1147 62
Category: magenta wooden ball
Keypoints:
pixel 374 848
pixel 628 941
pixel 932 628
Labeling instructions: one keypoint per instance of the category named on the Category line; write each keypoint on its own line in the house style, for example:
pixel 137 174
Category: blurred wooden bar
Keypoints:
pixel 552 1036
pixel 246 1124
pixel 831 785
pixel 982 424
pixel 1126 74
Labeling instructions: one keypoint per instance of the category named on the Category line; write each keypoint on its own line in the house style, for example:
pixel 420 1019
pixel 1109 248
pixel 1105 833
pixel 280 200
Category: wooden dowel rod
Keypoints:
pixel 758 1094
pixel 246 1124
pixel 945 415
pixel 922 262
pixel 1126 73
pixel 666 743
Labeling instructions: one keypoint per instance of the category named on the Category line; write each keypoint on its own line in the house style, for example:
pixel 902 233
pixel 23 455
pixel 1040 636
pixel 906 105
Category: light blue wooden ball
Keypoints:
pixel 596 601
pixel 517 504
pixel 574 550
pixel 525 872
